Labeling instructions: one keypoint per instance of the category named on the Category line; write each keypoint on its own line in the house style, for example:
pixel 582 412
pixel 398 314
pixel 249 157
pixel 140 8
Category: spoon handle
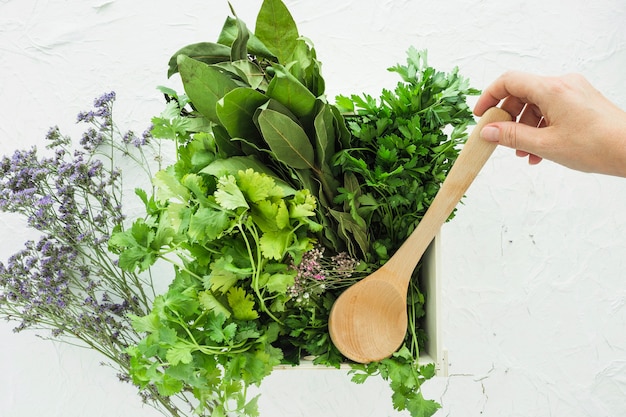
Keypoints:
pixel 468 164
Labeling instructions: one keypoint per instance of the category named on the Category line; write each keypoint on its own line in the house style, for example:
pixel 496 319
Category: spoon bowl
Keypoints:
pixel 368 322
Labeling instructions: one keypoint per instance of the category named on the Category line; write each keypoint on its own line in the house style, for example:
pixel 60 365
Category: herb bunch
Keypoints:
pixel 67 284
pixel 277 200
pixel 399 151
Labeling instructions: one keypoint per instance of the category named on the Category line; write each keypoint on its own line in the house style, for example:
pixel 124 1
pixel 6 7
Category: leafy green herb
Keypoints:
pixel 399 151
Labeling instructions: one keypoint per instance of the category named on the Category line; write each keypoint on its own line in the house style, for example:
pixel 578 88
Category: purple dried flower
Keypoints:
pixel 91 139
pixel 128 137
pixel 316 273
pixel 105 99
pixel 86 116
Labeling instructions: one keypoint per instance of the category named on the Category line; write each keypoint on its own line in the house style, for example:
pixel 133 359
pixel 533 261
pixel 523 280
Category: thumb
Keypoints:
pixel 512 135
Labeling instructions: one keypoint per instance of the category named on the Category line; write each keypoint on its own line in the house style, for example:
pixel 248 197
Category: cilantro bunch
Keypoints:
pixel 213 332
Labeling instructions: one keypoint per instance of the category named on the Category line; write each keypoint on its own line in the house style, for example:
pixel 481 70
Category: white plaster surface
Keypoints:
pixel 534 289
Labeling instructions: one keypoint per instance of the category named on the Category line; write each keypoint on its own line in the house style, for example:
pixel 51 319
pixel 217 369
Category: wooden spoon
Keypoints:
pixel 368 322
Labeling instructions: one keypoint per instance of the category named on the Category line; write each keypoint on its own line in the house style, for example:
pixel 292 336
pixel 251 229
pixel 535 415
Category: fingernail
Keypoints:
pixel 490 133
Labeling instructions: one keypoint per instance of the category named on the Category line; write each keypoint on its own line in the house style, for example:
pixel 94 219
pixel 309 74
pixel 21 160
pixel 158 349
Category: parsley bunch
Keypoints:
pixel 401 147
pixel 399 151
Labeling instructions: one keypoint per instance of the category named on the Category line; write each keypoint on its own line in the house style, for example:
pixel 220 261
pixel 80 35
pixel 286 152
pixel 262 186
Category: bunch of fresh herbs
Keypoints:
pixel 66 282
pixel 277 201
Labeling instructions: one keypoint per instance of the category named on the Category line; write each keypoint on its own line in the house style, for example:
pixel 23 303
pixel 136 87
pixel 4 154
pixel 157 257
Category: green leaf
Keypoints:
pixel 235 112
pixel 274 244
pixel 258 186
pixel 239 47
pixel 270 216
pixel 287 140
pixel 174 128
pixel 168 187
pixel 168 385
pixel 306 68
pixel 208 301
pixel 428 371
pixel 195 184
pixel 134 246
pixel 182 301
pixel 167 336
pixel 216 330
pixel 417 405
pixel 234 164
pixel 324 135
pixel 252 407
pixel 224 274
pixel 277 283
pixel 255 46
pixel 276 28
pixel 205 85
pixel 345 104
pixel 207 224
pixel 220 279
pixel 149 323
pixel 225 145
pixel 242 304
pixel 179 353
pixel 249 72
pixel 228 194
pixel 291 93
pixel 207 52
pixel 350 229
pixel 358 378
pixel 302 205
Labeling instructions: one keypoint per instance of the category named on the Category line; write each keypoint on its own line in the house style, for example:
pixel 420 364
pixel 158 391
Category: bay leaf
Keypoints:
pixel 286 139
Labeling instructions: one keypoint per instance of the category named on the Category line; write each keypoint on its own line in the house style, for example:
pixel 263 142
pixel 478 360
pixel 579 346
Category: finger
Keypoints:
pixel 517 84
pixel 531 115
pixel 532 158
pixel 542 123
pixel 514 135
pixel 513 105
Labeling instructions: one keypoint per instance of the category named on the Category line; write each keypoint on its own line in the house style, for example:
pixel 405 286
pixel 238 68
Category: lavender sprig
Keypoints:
pixel 67 282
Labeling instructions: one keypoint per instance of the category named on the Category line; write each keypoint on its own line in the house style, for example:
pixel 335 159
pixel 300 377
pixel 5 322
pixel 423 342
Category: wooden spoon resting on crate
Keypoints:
pixel 368 322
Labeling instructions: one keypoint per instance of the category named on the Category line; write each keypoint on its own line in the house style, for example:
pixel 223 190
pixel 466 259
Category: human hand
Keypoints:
pixel 563 119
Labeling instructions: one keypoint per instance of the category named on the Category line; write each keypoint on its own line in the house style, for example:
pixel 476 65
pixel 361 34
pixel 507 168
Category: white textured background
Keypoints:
pixel 534 295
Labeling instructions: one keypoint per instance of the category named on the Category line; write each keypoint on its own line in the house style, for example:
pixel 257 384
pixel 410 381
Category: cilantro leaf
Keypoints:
pixel 217 331
pixel 228 194
pixel 224 274
pixel 274 244
pixel 168 385
pixel 207 224
pixel 242 304
pixel 271 216
pixel 168 187
pixel 209 302
pixel 179 353
pixel 257 187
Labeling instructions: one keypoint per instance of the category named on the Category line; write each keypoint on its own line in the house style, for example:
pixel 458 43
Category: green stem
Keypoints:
pixel 256 268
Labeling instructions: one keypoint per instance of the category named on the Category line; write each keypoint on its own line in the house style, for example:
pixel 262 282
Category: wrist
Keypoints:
pixel 615 148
